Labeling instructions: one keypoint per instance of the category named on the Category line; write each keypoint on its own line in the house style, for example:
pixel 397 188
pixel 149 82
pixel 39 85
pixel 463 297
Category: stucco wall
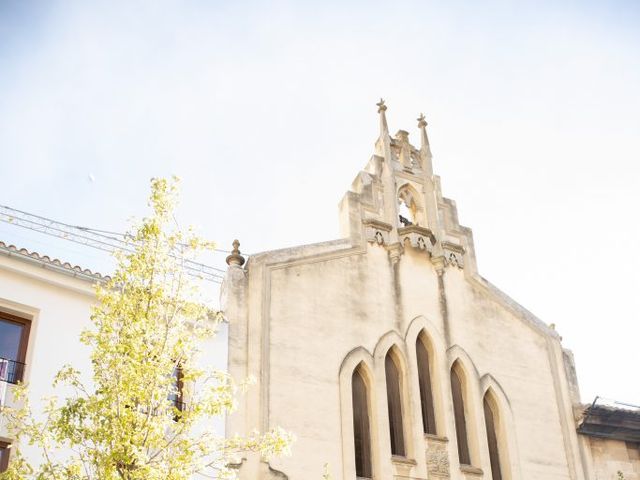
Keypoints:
pixel 613 456
pixel 319 310
pixel 303 319
pixel 59 307
pixel 518 357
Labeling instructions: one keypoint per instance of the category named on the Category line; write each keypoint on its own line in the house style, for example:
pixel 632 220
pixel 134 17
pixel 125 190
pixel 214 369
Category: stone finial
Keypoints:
pixel 382 108
pixel 424 139
pixel 421 121
pixel 235 258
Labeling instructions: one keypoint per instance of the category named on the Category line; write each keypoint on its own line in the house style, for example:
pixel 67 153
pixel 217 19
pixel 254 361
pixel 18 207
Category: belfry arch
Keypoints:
pixel 410 208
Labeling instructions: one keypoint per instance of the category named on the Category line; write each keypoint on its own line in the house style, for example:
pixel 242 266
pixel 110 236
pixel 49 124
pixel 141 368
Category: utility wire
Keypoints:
pixel 108 232
pixel 99 239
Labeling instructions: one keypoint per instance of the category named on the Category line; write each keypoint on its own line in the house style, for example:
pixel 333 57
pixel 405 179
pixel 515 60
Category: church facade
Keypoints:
pixel 385 352
pixel 390 357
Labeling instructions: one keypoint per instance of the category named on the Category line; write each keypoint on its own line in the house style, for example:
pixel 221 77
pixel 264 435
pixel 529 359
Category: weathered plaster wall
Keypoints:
pixel 518 357
pixel 303 319
pixel 613 456
pixel 320 310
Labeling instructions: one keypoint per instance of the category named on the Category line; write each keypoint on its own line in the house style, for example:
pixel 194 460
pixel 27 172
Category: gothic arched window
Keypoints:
pixel 459 415
pixel 424 380
pixel 491 422
pixel 394 404
pixel 361 425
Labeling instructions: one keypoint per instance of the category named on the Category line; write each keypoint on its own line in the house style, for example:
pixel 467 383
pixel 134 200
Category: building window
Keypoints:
pixel 14 337
pixel 491 420
pixel 459 415
pixel 176 396
pixel 4 456
pixel 424 380
pixel 394 404
pixel 361 427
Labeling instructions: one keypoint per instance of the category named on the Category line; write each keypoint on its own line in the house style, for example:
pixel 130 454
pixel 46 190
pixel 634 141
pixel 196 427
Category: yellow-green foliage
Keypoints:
pixel 326 475
pixel 148 320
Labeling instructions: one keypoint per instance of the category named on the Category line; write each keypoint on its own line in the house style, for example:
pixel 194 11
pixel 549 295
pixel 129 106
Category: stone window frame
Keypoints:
pixel 394 343
pixel 474 419
pixel 507 446
pixel 358 358
pixel 422 328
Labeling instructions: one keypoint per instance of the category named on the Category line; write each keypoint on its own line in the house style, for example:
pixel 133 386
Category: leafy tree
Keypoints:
pixel 149 323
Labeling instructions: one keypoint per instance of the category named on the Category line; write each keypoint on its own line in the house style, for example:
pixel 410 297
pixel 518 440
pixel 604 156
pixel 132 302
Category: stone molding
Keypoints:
pixel 471 470
pixel 376 231
pixel 453 254
pixel 437 456
pixel 402 466
pixel 420 238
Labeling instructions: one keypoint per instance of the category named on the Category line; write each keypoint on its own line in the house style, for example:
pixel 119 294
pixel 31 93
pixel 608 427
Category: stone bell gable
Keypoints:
pixel 387 354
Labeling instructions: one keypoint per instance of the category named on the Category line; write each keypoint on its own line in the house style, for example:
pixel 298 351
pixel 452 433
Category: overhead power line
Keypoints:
pixel 98 239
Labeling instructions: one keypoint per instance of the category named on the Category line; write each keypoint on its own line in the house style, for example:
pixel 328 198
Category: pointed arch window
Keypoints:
pixel 394 404
pixel 460 419
pixel 491 421
pixel 424 381
pixel 361 425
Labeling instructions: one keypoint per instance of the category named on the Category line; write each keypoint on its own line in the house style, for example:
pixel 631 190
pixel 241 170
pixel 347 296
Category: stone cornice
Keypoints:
pixel 377 224
pixel 453 247
pixel 430 437
pixel 470 469
pixel 419 230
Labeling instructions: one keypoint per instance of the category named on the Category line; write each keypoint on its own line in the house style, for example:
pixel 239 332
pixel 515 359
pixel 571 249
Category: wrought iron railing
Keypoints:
pixel 11 371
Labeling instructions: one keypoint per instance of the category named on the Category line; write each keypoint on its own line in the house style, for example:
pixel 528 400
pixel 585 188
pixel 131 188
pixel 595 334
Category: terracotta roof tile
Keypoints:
pixel 12 250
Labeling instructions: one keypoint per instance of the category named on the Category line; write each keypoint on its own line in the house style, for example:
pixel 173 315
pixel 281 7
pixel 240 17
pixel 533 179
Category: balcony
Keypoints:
pixel 11 371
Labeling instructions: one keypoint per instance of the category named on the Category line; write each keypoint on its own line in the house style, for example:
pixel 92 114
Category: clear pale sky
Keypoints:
pixel 266 110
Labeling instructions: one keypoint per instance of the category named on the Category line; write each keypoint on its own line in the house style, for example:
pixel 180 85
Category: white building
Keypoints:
pixel 385 352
